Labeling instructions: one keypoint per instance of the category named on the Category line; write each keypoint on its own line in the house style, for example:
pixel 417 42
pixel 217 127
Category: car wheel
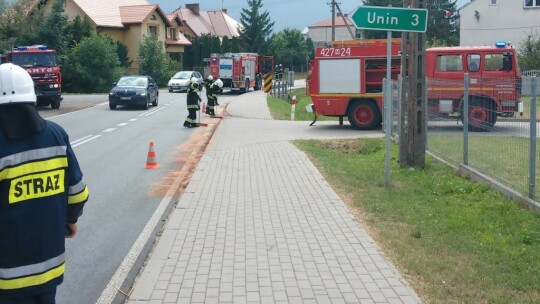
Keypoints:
pixel 112 106
pixel 155 103
pixel 147 102
pixel 170 90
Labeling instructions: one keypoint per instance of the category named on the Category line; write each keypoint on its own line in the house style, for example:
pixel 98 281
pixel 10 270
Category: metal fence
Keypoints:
pixel 503 153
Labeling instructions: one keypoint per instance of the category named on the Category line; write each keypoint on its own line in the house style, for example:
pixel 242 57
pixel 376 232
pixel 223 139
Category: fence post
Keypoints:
pixel 387 101
pixel 532 144
pixel 465 118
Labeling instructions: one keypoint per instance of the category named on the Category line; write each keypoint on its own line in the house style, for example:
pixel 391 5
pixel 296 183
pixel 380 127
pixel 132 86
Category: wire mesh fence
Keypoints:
pixel 497 138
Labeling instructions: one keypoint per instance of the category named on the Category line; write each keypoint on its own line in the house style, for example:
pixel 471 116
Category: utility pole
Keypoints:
pixel 333 20
pixel 413 137
pixel 346 22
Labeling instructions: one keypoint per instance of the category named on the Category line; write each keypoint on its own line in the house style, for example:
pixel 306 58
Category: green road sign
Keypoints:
pixel 390 18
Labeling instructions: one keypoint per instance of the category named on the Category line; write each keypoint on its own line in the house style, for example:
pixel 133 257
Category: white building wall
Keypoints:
pixel 507 21
pixel 320 35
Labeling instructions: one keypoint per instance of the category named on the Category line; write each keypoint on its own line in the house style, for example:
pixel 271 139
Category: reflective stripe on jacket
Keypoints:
pixel 41 189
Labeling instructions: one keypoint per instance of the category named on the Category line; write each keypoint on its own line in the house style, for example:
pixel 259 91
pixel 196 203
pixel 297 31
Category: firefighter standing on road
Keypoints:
pixel 42 194
pixel 193 100
pixel 212 96
pixel 207 82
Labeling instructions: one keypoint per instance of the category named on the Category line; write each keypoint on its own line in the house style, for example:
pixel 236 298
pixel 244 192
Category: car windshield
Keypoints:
pixel 182 75
pixel 132 82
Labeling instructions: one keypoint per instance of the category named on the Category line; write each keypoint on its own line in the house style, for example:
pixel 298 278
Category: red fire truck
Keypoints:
pixel 241 71
pixel 346 81
pixel 41 64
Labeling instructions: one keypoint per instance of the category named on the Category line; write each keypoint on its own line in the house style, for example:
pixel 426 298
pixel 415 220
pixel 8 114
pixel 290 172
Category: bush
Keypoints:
pixel 92 66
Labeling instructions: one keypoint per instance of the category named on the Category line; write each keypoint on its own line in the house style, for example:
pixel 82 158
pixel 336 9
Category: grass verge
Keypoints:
pixel 281 109
pixel 456 241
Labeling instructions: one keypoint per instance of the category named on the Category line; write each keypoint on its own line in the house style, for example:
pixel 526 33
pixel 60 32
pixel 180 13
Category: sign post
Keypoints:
pixel 389 19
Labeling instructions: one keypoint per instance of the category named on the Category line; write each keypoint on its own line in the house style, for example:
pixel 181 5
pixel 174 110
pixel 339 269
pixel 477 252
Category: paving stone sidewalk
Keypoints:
pixel 259 224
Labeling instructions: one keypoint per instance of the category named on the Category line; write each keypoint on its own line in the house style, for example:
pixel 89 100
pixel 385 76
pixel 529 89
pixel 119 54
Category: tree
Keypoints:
pixel 226 45
pixel 529 52
pixel 215 46
pixel 154 61
pixel 50 28
pixel 93 65
pixel 442 25
pixel 290 48
pixel 13 20
pixel 76 30
pixel 122 52
pixel 256 27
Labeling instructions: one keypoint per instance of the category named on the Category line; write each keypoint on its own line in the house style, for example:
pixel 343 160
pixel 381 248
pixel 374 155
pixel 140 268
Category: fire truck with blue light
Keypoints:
pixel 241 71
pixel 346 80
pixel 41 63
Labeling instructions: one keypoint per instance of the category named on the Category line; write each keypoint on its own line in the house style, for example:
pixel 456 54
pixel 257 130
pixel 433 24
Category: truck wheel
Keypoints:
pixel 55 104
pixel 364 115
pixel 482 115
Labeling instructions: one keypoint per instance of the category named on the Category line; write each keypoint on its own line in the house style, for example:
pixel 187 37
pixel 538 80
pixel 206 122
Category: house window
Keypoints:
pixel 531 3
pixel 152 30
pixel 153 17
pixel 449 63
pixel 172 33
pixel 493 2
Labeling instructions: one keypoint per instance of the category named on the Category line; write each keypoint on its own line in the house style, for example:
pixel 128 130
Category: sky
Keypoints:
pixel 296 14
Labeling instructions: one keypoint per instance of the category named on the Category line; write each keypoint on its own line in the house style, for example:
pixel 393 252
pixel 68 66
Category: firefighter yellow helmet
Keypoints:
pixel 219 83
pixel 194 80
pixel 16 85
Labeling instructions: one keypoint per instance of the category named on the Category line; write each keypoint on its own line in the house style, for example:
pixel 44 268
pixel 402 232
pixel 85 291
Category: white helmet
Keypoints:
pixel 210 77
pixel 194 80
pixel 16 85
pixel 219 83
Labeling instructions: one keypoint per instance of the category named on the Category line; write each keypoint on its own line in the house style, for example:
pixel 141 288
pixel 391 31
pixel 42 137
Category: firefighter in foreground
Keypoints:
pixel 212 92
pixel 193 100
pixel 42 194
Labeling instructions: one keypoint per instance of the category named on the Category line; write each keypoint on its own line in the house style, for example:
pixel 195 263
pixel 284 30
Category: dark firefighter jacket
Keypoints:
pixel 213 90
pixel 41 188
pixel 193 97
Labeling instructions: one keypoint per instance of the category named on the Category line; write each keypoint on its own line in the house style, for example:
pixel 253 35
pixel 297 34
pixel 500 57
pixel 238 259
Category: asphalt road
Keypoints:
pixel 112 148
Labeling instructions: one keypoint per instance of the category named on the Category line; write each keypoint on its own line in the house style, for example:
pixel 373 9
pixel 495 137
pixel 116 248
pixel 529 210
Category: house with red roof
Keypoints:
pixel 129 21
pixel 198 23
pixel 321 32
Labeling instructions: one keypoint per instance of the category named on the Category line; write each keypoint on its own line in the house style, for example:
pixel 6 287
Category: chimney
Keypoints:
pixel 194 7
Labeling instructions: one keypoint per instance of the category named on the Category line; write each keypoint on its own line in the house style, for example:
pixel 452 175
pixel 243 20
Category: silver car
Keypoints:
pixel 181 80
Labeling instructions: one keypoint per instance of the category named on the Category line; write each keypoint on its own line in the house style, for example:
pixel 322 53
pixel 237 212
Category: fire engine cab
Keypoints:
pixel 345 80
pixel 40 62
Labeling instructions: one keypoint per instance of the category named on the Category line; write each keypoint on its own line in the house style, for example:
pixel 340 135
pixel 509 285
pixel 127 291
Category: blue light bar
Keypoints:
pixel 500 44
pixel 34 47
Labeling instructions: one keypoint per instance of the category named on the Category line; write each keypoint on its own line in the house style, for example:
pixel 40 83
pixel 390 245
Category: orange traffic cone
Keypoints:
pixel 151 160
